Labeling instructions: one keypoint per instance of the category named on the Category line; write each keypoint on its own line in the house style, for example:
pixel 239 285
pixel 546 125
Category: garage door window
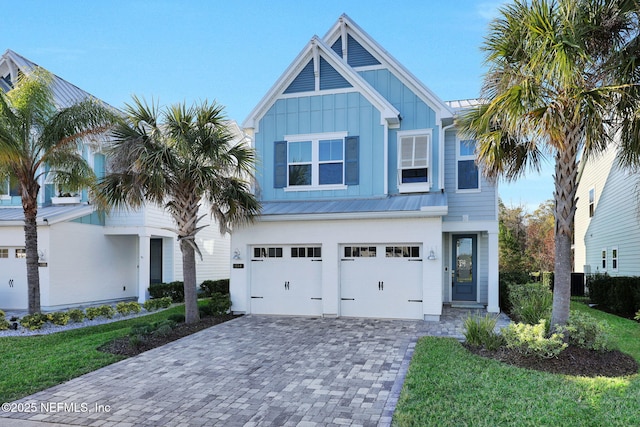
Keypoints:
pixel 402 251
pixel 267 252
pixel 306 252
pixel 21 253
pixel 360 252
pixel 4 253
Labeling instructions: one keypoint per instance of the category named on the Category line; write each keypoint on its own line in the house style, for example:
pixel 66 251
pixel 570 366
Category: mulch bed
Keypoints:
pixel 572 361
pixel 122 346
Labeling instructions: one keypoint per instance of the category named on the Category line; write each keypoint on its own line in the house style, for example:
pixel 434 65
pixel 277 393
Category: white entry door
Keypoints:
pixel 13 278
pixel 383 281
pixel 286 280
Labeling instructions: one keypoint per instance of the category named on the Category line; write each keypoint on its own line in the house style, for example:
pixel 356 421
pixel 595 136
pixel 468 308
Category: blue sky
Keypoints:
pixel 234 50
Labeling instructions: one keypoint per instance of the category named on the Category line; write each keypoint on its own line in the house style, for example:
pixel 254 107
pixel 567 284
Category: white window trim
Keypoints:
pixel 589 202
pixel 415 187
pixel 616 258
pixel 605 259
pixel 315 161
pixel 460 157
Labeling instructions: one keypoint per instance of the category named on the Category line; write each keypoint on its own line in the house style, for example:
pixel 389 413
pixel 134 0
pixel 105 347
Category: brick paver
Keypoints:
pixel 251 371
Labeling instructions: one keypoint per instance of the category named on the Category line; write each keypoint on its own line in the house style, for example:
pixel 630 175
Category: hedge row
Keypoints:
pixel 175 290
pixel 618 295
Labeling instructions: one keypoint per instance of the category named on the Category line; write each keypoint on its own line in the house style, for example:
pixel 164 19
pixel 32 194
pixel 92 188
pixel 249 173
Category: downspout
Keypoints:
pixel 441 153
pixel 386 158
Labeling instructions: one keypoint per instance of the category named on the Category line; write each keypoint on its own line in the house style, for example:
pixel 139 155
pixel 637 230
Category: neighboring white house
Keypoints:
pixel 372 206
pixel 607 222
pixel 86 258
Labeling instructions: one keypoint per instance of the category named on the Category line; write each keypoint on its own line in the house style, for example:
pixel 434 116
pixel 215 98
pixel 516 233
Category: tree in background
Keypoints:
pixel 37 139
pixel 512 239
pixel 178 159
pixel 563 79
pixel 540 238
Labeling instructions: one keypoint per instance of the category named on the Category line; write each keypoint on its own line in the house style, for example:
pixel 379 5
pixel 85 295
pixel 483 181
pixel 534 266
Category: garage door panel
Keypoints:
pixel 13 278
pixel 387 284
pixel 288 283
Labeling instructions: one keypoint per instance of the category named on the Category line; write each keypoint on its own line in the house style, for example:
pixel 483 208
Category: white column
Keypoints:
pixel 493 305
pixel 144 267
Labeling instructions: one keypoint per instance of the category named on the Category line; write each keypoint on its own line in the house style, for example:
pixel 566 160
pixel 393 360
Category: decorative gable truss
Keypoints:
pixel 319 68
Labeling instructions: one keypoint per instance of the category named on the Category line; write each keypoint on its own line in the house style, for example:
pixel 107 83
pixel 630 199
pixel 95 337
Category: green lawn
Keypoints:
pixel 448 386
pixel 33 363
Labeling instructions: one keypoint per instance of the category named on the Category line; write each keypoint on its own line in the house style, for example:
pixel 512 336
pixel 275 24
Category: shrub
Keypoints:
pixel 479 331
pixel 4 324
pixel 507 280
pixel 157 303
pixel 126 308
pixel 532 340
pixel 177 317
pixel 209 287
pixel 76 315
pixel 530 302
pixel 586 331
pixel 2 314
pixel 34 321
pixel 219 304
pixel 637 316
pixel 619 295
pixel 59 318
pixel 100 311
pixel 173 290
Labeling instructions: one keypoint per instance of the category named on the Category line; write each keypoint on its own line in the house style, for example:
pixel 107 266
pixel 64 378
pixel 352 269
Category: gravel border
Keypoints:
pixel 50 328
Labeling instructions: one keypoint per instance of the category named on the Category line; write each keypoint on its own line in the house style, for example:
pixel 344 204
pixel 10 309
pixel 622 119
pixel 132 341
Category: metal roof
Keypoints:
pixel 12 216
pixel 396 203
pixel 65 94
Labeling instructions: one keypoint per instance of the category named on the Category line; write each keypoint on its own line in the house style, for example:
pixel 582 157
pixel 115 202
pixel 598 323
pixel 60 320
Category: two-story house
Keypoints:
pixel 607 222
pixel 86 258
pixel 372 206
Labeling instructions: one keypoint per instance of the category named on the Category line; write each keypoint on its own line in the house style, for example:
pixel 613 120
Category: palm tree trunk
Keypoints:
pixel 30 206
pixel 566 185
pixel 189 275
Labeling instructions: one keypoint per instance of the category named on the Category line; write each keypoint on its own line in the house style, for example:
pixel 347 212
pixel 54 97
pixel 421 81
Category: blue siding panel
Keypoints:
pixel 304 82
pixel 337 46
pixel 358 56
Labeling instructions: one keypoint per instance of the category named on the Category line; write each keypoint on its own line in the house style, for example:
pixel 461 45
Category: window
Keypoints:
pixel 21 253
pixel 592 201
pixel 413 158
pixel 467 174
pixel 4 253
pixel 320 161
pixel 402 252
pixel 360 252
pixel 604 259
pixel 9 187
pixel 267 252
pixel 305 252
pixel 614 259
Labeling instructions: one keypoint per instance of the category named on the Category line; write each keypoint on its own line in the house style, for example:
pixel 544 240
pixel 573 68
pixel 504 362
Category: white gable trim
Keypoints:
pixel 346 25
pixel 388 113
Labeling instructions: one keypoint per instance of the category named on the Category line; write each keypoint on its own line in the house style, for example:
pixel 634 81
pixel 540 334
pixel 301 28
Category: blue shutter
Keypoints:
pixel 351 160
pixel 304 82
pixel 280 164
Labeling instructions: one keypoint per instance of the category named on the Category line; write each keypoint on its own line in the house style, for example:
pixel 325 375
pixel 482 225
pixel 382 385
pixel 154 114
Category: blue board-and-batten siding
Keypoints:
pixel 341 112
pixel 479 206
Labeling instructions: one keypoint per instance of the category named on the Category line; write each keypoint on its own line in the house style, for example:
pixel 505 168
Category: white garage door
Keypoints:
pixel 13 278
pixel 286 280
pixel 382 281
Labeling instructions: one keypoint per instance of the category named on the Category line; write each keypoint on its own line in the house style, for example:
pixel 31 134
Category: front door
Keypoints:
pixel 465 268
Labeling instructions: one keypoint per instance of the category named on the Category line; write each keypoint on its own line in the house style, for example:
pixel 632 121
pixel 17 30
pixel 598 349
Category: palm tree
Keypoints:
pixel 177 159
pixel 37 139
pixel 562 81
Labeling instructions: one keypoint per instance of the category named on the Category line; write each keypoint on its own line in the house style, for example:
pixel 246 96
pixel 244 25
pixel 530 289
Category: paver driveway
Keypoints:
pixel 254 370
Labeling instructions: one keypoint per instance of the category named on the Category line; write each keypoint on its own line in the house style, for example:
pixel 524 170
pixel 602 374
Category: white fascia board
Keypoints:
pixel 387 111
pixel 426 212
pixel 430 98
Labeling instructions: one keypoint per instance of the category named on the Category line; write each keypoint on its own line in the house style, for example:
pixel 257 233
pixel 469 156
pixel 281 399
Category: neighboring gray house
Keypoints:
pixel 372 204
pixel 607 222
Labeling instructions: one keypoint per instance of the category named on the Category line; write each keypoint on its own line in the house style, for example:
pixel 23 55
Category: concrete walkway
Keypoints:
pixel 251 371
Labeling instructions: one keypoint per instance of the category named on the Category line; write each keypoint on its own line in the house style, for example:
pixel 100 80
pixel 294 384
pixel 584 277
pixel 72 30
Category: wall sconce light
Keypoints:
pixel 236 254
pixel 42 257
pixel 432 255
